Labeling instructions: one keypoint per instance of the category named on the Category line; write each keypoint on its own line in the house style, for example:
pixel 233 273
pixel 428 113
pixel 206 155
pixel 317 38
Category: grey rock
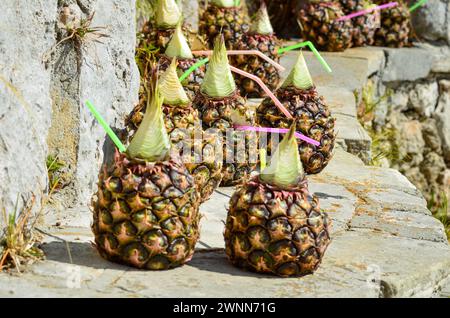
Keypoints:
pixel 442 116
pixel 430 22
pixel 432 167
pixel 399 99
pixel 423 98
pixel 411 142
pixel 190 14
pixel 401 64
pixel 431 135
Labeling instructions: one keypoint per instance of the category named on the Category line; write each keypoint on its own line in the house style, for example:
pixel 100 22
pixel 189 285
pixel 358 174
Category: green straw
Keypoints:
pixel 312 48
pixel 417 4
pixel 106 127
pixel 193 68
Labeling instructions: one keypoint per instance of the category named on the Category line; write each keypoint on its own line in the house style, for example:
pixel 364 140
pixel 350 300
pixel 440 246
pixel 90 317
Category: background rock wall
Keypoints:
pixel 42 107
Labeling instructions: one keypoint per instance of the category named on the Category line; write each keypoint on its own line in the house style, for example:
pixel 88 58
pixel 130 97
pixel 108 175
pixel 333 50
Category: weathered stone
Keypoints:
pixel 190 14
pixel 432 167
pixel 442 116
pixel 402 65
pixel 416 177
pixel 431 135
pixel 430 22
pixel 411 142
pixel 423 98
pixel 399 100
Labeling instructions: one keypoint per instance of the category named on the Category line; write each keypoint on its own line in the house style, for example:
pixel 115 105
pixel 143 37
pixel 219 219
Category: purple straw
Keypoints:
pixel 363 12
pixel 279 131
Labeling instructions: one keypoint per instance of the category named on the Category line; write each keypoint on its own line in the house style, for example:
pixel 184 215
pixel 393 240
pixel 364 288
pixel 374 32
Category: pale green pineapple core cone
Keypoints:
pixel 171 88
pixel 167 14
pixel 218 81
pixel 261 24
pixel 223 3
pixel 178 46
pixel 285 169
pixel 299 77
pixel 151 141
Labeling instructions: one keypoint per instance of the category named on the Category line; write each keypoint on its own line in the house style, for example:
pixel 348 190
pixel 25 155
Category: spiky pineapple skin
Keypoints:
pixel 193 81
pixel 314 120
pixel 276 231
pixel 395 26
pixel 216 113
pixel 146 215
pixel 282 16
pixel 157 37
pixel 267 44
pixel 326 33
pixel 231 22
pixel 365 26
pixel 186 134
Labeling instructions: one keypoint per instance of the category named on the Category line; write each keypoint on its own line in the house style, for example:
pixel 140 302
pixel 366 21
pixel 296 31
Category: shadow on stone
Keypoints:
pixel 322 195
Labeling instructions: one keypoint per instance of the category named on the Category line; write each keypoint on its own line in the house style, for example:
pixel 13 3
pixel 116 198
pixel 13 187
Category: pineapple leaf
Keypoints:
pixel 178 46
pixel 171 88
pixel 299 77
pixel 224 3
pixel 261 24
pixel 167 14
pixel 151 141
pixel 219 81
pixel 285 169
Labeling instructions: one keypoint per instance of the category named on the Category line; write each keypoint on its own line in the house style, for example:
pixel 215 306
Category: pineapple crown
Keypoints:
pixel 224 3
pixel 261 24
pixel 218 81
pixel 299 77
pixel 167 14
pixel 171 88
pixel 285 169
pixel 178 46
pixel 151 141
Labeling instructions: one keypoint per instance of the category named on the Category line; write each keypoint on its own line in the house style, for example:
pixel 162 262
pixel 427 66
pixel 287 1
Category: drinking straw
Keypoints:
pixel 106 127
pixel 193 68
pixel 311 47
pixel 245 52
pixel 265 89
pixel 366 11
pixel 262 158
pixel 278 131
pixel 417 4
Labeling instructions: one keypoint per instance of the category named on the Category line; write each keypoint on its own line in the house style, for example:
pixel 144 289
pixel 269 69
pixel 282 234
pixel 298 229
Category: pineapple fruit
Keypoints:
pixel 283 16
pixel 395 25
pixel 146 210
pixel 220 107
pixel 262 38
pixel 299 95
pixel 158 32
pixel 223 16
pixel 364 26
pixel 274 225
pixel 178 47
pixel 197 148
pixel 318 20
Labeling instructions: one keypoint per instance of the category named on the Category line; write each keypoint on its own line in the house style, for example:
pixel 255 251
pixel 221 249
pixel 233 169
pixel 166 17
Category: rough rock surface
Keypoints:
pixel 431 22
pixel 43 108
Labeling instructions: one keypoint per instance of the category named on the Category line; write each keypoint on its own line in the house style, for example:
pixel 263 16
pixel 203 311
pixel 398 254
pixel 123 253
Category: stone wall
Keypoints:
pixel 43 88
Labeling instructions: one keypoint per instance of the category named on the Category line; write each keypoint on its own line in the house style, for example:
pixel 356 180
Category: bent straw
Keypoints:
pixel 193 68
pixel 265 89
pixel 262 158
pixel 278 131
pixel 106 127
pixel 366 11
pixel 245 52
pixel 312 48
pixel 416 5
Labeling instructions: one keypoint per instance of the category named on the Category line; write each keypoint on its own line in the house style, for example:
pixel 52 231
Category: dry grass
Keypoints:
pixel 54 165
pixel 18 242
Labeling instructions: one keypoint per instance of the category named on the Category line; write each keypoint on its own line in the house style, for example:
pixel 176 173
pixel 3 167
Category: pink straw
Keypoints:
pixel 265 88
pixel 366 11
pixel 278 131
pixel 246 52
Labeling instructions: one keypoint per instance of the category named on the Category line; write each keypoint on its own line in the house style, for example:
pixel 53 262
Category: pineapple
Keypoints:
pixel 274 225
pixel 178 47
pixel 299 95
pixel 146 210
pixel 261 38
pixel 318 22
pixel 222 16
pixel 158 32
pixel 364 26
pixel 221 107
pixel 197 148
pixel 395 26
pixel 283 16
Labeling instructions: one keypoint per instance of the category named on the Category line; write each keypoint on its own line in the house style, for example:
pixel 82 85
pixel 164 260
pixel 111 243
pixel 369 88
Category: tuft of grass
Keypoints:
pixel 54 165
pixel 18 244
